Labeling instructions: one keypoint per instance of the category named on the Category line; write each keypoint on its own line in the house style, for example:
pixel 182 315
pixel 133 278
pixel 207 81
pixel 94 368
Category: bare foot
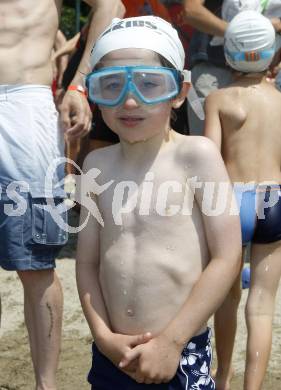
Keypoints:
pixel 222 379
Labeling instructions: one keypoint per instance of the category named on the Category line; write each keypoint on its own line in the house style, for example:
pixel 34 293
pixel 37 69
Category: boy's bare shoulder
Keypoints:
pixel 219 95
pixel 201 158
pixel 197 150
pixel 99 157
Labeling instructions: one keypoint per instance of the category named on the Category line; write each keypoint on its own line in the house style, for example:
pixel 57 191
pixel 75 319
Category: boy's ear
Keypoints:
pixel 179 99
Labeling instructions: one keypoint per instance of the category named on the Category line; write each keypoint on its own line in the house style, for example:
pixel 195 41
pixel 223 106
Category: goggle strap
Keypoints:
pixel 195 103
pixel 186 76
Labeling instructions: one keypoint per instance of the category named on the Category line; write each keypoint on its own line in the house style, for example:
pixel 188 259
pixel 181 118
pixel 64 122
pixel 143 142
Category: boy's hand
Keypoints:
pixel 117 345
pixel 158 360
pixel 76 116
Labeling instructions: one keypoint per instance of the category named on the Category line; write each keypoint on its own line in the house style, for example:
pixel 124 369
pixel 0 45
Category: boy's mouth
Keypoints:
pixel 131 120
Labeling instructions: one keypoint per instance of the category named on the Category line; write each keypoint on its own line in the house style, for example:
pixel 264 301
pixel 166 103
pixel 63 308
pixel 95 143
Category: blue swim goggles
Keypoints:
pixel 149 84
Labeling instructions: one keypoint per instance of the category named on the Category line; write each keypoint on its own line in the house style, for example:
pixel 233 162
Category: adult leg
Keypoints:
pixel 259 311
pixel 43 305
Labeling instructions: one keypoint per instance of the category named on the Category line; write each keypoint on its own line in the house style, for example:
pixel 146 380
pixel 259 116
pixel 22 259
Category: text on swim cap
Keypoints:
pixel 130 23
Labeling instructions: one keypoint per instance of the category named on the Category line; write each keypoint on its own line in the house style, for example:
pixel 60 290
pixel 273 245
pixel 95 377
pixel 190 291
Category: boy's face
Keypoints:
pixel 132 120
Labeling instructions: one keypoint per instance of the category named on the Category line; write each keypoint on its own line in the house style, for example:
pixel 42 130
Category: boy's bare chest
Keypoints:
pixel 149 196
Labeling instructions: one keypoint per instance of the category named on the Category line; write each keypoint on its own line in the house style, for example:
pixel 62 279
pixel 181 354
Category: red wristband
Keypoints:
pixel 78 88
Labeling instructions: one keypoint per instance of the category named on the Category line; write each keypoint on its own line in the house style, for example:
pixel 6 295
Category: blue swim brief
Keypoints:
pixel 193 371
pixel 260 213
pixel 30 238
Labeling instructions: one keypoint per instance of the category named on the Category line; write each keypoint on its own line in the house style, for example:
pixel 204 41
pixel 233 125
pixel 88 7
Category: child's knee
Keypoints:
pixel 259 303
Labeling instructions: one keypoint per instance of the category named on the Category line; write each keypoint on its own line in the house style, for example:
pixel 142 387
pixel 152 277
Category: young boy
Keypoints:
pixel 244 120
pixel 156 267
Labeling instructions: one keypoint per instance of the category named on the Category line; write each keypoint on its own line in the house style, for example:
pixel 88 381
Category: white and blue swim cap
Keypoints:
pixel 249 42
pixel 231 8
pixel 142 32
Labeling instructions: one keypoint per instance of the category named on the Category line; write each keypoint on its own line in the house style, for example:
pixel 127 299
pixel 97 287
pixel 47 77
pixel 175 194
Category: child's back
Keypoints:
pixel 250 119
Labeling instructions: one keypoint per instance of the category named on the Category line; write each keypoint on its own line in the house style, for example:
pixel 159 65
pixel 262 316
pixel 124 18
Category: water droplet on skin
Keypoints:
pixel 266 268
pixel 122 263
pixel 125 292
pixel 130 312
pixel 170 248
pixel 256 366
pixel 123 276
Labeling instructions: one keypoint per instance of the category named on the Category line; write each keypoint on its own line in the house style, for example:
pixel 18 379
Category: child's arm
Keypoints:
pixel 87 276
pixel 213 129
pixel 159 358
pixel 223 235
pixel 199 17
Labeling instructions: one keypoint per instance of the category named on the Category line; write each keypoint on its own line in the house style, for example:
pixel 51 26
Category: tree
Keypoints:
pixel 68 17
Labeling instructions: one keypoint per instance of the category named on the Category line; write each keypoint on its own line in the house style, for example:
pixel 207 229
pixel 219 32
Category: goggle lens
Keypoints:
pixel 155 85
pixel 150 85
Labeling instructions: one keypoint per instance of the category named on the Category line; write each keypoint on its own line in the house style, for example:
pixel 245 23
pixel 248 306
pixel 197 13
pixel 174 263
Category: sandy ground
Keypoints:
pixel 15 364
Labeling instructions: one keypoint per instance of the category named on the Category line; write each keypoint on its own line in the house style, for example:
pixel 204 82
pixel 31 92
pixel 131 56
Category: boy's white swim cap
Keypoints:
pixel 142 32
pixel 249 42
pixel 231 8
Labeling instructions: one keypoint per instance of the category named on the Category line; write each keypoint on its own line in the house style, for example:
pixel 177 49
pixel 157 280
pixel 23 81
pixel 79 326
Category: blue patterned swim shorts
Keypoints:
pixel 193 372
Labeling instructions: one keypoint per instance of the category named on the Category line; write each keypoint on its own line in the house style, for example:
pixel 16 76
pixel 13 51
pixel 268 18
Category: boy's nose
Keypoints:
pixel 131 101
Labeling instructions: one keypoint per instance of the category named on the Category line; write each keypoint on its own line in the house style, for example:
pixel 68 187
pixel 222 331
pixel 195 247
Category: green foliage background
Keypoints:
pixel 68 17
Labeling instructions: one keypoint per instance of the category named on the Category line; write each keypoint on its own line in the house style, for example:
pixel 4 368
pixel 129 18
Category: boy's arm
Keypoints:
pixel 199 17
pixel 213 129
pixel 103 13
pixel 224 242
pixel 67 48
pixel 87 268
pixel 75 112
pixel 223 235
